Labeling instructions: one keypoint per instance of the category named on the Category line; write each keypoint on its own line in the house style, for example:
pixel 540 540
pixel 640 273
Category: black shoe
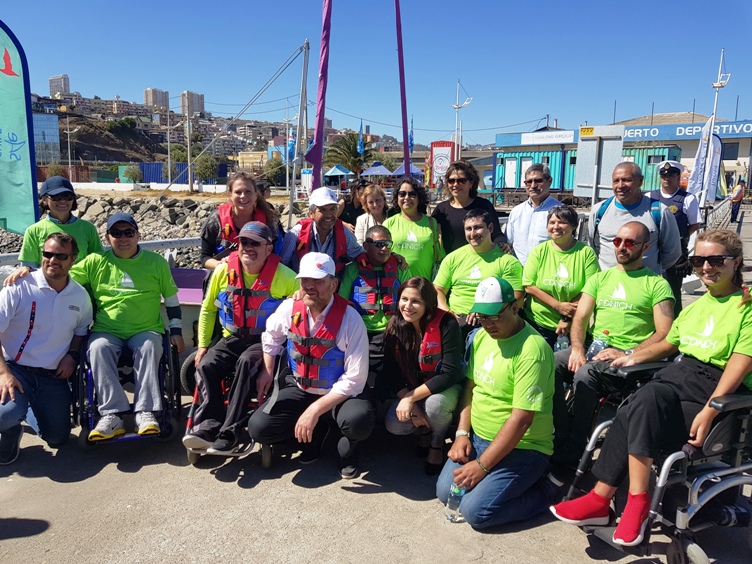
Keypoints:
pixel 311 452
pixel 198 440
pixel 225 444
pixel 348 467
pixel 9 448
pixel 424 443
pixel 432 468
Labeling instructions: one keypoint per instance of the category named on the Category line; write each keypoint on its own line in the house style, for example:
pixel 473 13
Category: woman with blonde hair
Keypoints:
pixel 374 202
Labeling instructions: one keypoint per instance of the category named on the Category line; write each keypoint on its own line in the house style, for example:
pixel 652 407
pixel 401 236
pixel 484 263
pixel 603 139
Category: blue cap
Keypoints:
pixel 256 231
pixel 121 216
pixel 56 185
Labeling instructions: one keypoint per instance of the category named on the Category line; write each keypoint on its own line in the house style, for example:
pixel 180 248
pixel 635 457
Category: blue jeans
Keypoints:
pixel 48 396
pixel 516 488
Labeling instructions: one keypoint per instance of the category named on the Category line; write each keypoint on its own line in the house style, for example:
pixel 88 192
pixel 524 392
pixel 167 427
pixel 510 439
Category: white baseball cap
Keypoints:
pixel 316 265
pixel 322 197
pixel 491 295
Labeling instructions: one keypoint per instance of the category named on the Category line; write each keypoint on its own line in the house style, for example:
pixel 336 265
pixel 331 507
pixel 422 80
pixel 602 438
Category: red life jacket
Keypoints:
pixel 316 361
pixel 371 283
pixel 244 311
pixel 228 232
pixel 429 357
pixel 340 243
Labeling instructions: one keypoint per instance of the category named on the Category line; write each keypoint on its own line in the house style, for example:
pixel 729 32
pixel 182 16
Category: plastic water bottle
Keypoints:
pixel 453 504
pixel 597 346
pixel 562 342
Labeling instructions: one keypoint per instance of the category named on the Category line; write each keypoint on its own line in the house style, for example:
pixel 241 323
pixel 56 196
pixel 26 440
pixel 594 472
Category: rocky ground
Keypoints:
pixel 158 217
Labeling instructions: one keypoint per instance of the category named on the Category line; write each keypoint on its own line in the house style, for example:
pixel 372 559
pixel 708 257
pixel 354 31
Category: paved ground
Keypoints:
pixel 141 502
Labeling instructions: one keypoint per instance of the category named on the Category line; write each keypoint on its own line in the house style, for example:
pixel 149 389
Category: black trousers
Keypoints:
pixel 355 418
pixel 656 419
pixel 674 279
pixel 244 358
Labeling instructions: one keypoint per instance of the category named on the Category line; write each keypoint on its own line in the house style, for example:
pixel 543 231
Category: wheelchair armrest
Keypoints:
pixel 641 369
pixel 731 402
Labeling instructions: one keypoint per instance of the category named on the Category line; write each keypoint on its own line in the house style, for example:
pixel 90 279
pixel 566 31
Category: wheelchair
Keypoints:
pixel 695 488
pixel 85 413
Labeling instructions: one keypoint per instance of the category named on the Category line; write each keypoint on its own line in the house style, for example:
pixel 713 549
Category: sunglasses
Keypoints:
pixel 379 244
pixel 58 256
pixel 490 318
pixel 457 180
pixel 65 197
pixel 118 233
pixel 628 243
pixel 532 181
pixel 403 194
pixel 715 261
pixel 251 243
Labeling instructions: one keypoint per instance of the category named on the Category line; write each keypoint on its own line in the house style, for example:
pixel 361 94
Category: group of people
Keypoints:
pixel 443 318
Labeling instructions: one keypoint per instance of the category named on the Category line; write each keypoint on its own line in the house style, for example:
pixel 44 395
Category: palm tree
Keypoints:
pixel 344 151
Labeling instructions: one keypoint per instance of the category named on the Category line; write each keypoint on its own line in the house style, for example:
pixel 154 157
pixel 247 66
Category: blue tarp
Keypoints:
pixel 338 170
pixel 376 169
pixel 414 171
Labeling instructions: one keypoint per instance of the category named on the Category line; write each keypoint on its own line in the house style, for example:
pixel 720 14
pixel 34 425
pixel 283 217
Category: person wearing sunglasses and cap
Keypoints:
pixel 633 308
pixel 686 211
pixel 127 284
pixel 44 320
pixel 504 435
pixel 245 290
pixel 371 283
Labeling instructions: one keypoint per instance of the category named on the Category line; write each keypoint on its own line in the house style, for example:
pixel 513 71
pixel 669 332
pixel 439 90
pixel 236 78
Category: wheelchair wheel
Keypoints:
pixel 266 456
pixel 83 438
pixel 685 552
pixel 188 374
pixel 193 457
pixel 169 430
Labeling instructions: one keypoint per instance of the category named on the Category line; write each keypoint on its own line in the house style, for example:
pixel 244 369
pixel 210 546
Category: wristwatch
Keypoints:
pixel 628 352
pixel 461 433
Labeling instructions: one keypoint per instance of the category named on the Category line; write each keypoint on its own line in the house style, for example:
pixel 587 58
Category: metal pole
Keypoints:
pixel 595 171
pixel 709 155
pixel 190 172
pixel 67 130
pixel 169 156
pixel 457 123
pixel 302 123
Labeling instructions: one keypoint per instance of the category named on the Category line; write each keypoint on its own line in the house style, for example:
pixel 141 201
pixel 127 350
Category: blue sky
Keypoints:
pixel 519 61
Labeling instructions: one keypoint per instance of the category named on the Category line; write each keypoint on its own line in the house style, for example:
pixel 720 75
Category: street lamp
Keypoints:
pixel 69 132
pixel 457 107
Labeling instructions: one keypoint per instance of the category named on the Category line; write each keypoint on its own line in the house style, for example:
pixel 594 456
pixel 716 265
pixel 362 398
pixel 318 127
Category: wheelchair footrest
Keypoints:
pixel 606 534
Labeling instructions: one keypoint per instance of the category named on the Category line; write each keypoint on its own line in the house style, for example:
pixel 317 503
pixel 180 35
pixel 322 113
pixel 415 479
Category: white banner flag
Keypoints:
pixel 695 183
pixel 711 175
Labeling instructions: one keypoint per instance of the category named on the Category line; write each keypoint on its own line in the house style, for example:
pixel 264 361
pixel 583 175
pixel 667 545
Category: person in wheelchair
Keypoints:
pixel 371 283
pixel 713 337
pixel 44 320
pixel 635 306
pixel 245 290
pixel 127 284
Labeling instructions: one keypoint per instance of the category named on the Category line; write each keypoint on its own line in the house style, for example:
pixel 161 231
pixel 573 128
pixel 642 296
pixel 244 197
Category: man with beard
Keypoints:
pixel 326 372
pixel 633 309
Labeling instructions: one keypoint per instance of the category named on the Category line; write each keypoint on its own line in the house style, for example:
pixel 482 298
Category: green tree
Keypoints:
pixel 196 137
pixel 132 173
pixel 344 151
pixel 387 160
pixel 274 171
pixel 173 169
pixel 178 153
pixel 206 167
pixel 55 169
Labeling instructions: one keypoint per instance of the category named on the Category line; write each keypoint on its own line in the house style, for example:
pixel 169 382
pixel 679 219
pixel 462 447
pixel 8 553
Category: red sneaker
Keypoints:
pixel 634 520
pixel 590 509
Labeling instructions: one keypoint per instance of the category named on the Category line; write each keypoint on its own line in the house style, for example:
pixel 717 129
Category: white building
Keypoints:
pixel 191 103
pixel 156 98
pixel 60 83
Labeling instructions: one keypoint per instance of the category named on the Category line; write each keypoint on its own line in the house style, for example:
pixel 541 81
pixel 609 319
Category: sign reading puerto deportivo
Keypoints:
pixel 672 132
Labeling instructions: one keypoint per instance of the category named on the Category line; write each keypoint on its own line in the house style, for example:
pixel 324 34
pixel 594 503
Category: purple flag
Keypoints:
pixel 403 95
pixel 316 153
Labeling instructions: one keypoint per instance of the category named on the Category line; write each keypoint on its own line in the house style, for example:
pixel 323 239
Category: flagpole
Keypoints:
pixel 403 95
pixel 301 109
pixel 720 83
pixel 316 155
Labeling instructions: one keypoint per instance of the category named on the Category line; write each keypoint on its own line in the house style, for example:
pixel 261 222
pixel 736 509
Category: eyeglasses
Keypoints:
pixel 628 243
pixel 379 244
pixel 251 243
pixel 64 196
pixel 531 181
pixel 58 256
pixel 457 180
pixel 714 260
pixel 118 233
pixel 490 318
pixel 403 194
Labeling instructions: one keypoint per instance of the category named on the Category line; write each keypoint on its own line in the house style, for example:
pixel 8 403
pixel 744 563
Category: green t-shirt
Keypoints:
pixel 416 241
pixel 374 322
pixel 462 270
pixel 127 292
pixel 84 232
pixel 711 329
pixel 624 304
pixel 561 274
pixel 284 285
pixel 517 372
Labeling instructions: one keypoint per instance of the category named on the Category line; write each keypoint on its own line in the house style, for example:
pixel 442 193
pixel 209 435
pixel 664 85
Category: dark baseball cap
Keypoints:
pixel 256 231
pixel 121 216
pixel 56 185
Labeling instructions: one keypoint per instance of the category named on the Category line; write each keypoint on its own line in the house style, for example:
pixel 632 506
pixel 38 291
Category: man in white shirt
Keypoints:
pixel 326 372
pixel 44 319
pixel 527 222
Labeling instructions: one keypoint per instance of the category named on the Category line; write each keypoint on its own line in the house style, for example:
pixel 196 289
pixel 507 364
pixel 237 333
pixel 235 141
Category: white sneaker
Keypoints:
pixel 108 427
pixel 147 424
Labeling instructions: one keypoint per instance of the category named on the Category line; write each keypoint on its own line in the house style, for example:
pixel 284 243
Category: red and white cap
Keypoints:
pixel 316 265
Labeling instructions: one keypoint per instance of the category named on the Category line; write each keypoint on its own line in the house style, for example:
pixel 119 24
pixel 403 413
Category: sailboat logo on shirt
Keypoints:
pixel 619 292
pixel 127 281
pixel 562 272
pixel 709 326
pixel 483 374
pixel 474 272
pixel 412 237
